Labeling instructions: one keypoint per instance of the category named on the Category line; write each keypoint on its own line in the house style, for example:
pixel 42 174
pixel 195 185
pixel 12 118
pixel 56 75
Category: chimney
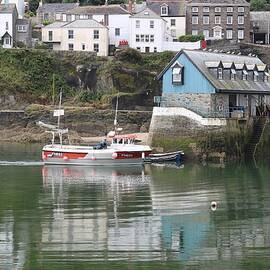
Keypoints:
pixel 106 2
pixel 130 6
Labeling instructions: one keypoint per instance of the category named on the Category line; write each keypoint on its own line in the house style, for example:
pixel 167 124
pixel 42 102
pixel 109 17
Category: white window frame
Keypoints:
pixel 241 19
pixel 96 34
pixel 229 19
pixel 177 73
pixel 138 24
pixel 152 24
pixel 195 9
pixel 147 38
pixel 229 34
pixel 7 41
pixel 70 46
pixel 218 9
pixel 220 73
pixel 173 22
pixel 164 10
pixel 137 38
pixel 70 34
pixel 244 75
pixel 83 46
pixel 206 36
pixel 117 32
pixel 255 75
pixel 195 20
pixel 242 35
pixel 194 32
pixel 233 74
pixel 96 47
pixel 7 26
pixel 22 28
pixel 50 35
pixel 142 38
pixel 206 9
pixel 217 19
pixel 229 9
pixel 152 38
pixel 241 9
pixel 206 20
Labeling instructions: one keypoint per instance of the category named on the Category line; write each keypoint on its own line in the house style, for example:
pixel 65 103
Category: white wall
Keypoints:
pixel 158 31
pixel 5 17
pixel 179 28
pixel 177 46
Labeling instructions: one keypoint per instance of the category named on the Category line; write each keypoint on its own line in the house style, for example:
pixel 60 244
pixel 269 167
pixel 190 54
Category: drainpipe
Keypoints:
pixel 268 32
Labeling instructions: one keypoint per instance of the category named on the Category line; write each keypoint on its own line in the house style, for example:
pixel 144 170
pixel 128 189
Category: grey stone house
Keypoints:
pixel 53 11
pixel 260 27
pixel 215 19
pixel 24 32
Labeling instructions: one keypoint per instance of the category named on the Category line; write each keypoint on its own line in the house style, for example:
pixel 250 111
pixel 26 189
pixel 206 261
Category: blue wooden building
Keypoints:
pixel 216 84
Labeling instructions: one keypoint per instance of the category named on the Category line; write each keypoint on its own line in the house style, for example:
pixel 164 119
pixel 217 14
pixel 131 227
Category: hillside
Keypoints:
pixel 36 76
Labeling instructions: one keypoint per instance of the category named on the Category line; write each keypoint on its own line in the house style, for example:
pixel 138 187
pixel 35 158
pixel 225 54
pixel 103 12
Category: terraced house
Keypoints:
pixel 215 19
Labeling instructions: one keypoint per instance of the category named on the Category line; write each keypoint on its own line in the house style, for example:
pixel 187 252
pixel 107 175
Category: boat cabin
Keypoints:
pixel 123 139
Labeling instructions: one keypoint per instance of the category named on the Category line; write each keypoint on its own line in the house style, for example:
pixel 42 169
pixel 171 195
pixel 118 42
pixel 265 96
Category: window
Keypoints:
pixel 152 24
pixel 240 34
pixel 233 74
pixel 240 19
pixel 255 75
pixel 137 38
pixel 117 31
pixel 173 33
pixel 77 17
pixel 7 41
pixel 217 9
pixel 58 16
pixel 195 9
pixel 194 32
pixel 265 76
pixel 173 23
pixel 146 38
pixel 96 47
pixel 96 34
pixel 152 38
pixel 205 19
pixel 229 34
pixel 217 33
pixel 220 73
pixel 241 9
pixel 70 34
pixel 206 34
pixel 229 19
pixel 177 74
pixel 229 9
pixel 195 19
pixel 83 47
pixel 6 25
pixel 70 47
pixel 45 16
pixel 138 48
pixel 155 49
pixel 137 24
pixel 205 9
pixel 164 10
pixel 68 17
pixel 50 35
pixel 217 20
pixel 142 38
pixel 22 28
pixel 244 75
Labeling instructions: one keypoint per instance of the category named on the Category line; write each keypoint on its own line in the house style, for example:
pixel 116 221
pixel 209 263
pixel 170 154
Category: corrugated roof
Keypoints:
pixel 56 7
pixel 7 8
pixel 146 13
pixel 105 9
pixel 198 58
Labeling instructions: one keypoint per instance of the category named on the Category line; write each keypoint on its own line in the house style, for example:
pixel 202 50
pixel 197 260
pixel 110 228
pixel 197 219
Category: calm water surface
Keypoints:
pixel 157 217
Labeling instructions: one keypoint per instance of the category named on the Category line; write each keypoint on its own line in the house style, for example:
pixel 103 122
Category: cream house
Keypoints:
pixel 79 35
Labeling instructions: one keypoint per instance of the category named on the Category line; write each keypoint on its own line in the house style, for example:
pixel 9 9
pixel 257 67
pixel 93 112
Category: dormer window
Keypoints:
pixel 220 73
pixel 244 75
pixel 177 73
pixel 255 76
pixel 164 10
pixel 265 77
pixel 233 74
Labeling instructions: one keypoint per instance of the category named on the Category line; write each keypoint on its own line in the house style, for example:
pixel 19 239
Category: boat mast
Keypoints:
pixel 59 118
pixel 116 110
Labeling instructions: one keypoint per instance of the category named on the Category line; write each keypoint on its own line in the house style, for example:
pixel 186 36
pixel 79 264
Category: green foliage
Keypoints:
pixel 33 5
pixel 129 55
pixel 29 14
pixel 41 46
pixel 20 44
pixel 47 22
pixel 258 5
pixel 191 38
pixel 87 96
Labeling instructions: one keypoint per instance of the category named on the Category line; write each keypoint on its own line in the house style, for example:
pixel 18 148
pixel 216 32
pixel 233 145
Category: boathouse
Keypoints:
pixel 216 85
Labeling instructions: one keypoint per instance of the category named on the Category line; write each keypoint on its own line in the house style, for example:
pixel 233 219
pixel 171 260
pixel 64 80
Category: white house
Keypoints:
pixel 8 18
pixel 19 5
pixel 173 12
pixel 115 17
pixel 147 31
pixel 79 35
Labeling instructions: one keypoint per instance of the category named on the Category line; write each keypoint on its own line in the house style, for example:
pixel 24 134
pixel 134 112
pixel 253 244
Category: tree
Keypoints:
pixel 258 4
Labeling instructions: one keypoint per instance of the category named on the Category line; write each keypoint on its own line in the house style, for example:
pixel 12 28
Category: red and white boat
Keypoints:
pixel 121 149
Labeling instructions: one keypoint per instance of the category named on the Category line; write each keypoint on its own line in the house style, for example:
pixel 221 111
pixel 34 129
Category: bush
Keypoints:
pixel 20 44
pixel 87 96
pixel 46 22
pixel 41 46
pixel 191 38
pixel 129 55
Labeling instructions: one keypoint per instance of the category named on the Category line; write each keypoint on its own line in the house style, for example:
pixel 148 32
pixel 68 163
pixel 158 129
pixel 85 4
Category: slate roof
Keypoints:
pixel 90 23
pixel 105 9
pixel 146 13
pixel 262 17
pixel 56 7
pixel 200 60
pixel 7 8
pixel 22 22
pixel 218 2
pixel 175 7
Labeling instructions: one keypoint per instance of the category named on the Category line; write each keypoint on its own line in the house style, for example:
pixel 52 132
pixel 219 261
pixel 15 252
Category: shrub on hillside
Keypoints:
pixel 191 38
pixel 129 55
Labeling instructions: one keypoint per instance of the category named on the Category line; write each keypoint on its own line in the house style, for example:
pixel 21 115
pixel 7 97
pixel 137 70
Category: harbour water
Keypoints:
pixel 152 217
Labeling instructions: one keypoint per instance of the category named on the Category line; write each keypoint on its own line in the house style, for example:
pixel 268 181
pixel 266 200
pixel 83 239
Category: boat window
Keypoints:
pixel 120 141
pixel 126 141
pixel 114 140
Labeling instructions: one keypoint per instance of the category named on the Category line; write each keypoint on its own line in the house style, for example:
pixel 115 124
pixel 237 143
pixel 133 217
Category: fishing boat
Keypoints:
pixel 115 149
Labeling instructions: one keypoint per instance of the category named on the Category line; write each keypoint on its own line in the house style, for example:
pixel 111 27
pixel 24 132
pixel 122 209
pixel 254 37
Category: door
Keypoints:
pixel 147 49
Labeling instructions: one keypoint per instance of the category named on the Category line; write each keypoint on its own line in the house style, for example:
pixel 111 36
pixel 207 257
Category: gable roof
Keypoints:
pixel 105 9
pixel 147 14
pixel 56 7
pixel 175 7
pixel 200 60
pixel 218 2
pixel 7 8
pixel 89 23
